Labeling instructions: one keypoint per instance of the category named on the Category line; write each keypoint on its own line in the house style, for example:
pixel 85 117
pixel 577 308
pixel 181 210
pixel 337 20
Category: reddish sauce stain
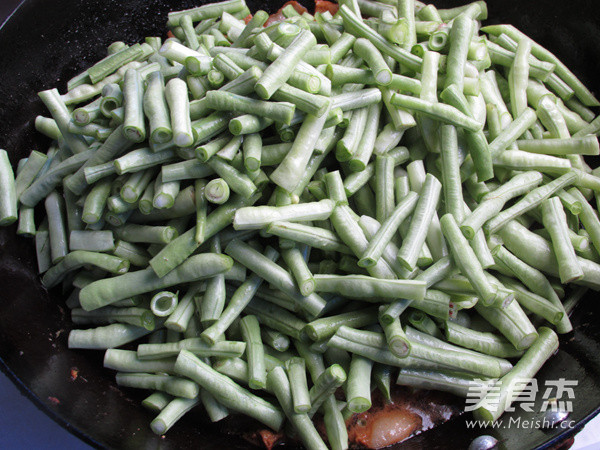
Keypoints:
pixel 270 439
pixel 386 426
pixel 322 6
pixel 277 17
pixel 409 413
pixel 54 401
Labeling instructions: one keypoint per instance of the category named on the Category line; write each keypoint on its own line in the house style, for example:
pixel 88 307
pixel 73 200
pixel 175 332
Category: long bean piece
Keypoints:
pixel 419 225
pixel 227 391
pixel 8 197
pixel 526 368
pixel 104 292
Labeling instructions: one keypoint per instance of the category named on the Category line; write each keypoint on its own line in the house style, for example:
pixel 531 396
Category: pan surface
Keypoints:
pixel 43 45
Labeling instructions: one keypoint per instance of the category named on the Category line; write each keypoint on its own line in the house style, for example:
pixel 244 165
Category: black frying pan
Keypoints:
pixel 47 42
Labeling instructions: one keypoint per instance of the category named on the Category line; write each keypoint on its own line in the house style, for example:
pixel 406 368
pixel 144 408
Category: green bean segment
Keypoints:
pixel 8 197
pixel 358 286
pixel 227 391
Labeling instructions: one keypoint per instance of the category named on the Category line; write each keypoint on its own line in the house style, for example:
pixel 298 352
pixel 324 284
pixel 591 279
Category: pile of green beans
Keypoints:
pixel 314 205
